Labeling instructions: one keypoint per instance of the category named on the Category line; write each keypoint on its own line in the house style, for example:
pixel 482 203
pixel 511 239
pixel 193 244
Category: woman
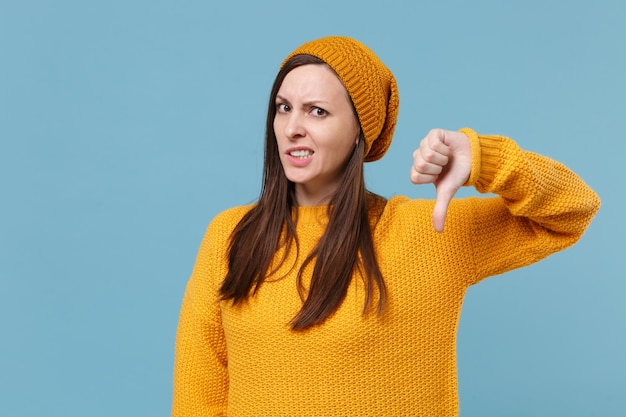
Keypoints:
pixel 325 300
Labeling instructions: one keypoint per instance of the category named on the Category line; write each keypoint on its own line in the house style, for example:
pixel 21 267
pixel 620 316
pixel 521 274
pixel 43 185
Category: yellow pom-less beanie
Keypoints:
pixel 371 85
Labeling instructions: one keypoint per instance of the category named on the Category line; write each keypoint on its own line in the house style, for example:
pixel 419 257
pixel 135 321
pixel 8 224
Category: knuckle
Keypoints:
pixel 428 154
pixel 420 165
pixel 434 132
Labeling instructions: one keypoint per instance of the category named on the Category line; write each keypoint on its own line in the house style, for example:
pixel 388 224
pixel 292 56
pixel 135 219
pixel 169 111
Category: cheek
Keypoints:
pixel 348 144
pixel 339 155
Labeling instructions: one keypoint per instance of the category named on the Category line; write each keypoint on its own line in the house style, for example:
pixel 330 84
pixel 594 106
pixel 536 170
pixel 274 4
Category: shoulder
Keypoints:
pixel 402 213
pixel 223 224
pixel 231 216
pixel 399 207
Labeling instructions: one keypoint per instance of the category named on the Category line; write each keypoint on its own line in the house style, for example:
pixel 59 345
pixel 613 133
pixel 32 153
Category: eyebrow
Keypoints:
pixel 306 103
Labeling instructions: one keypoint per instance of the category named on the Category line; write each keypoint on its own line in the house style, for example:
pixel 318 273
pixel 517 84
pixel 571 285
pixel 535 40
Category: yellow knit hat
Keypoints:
pixel 372 87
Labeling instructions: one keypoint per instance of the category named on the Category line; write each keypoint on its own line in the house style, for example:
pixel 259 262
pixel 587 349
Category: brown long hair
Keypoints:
pixel 345 248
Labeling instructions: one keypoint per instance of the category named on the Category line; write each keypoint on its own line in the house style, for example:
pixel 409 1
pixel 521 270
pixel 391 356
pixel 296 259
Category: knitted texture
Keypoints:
pixel 246 361
pixel 370 84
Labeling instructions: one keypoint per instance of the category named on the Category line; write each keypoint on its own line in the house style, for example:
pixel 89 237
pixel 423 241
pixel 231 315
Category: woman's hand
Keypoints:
pixel 444 159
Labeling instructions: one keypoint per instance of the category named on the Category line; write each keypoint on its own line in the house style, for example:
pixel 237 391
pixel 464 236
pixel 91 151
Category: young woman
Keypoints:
pixel 323 299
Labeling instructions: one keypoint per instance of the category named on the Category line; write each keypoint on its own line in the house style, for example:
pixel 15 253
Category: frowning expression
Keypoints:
pixel 316 130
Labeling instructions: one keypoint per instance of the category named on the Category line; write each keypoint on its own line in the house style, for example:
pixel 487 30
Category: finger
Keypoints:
pixel 444 196
pixel 428 162
pixel 438 154
pixel 421 178
pixel 430 158
pixel 423 172
pixel 424 167
pixel 436 140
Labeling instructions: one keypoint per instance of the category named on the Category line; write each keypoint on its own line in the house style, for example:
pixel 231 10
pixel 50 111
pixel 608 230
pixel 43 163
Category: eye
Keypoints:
pixel 282 107
pixel 318 112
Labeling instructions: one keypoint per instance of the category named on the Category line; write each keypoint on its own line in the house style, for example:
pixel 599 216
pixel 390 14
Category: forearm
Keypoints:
pixel 543 206
pixel 532 185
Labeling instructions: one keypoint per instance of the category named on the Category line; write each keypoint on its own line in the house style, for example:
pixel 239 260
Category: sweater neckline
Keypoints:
pixel 308 214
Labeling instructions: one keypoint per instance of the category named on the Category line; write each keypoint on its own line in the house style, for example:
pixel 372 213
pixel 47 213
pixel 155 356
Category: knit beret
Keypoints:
pixel 370 84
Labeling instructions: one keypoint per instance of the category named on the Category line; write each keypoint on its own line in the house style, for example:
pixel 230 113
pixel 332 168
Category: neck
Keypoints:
pixel 307 195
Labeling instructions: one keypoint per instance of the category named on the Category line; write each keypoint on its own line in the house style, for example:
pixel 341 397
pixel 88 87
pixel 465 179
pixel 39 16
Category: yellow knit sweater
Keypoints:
pixel 245 361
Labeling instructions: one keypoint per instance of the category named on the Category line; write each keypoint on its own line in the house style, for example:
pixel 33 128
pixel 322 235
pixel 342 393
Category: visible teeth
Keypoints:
pixel 302 153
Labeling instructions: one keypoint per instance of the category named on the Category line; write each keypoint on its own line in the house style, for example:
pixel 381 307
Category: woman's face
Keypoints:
pixel 316 131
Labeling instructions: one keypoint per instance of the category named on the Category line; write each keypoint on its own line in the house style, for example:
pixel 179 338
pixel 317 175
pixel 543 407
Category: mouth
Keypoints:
pixel 300 153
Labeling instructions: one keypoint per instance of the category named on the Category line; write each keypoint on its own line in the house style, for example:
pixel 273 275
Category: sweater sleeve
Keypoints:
pixel 200 360
pixel 543 207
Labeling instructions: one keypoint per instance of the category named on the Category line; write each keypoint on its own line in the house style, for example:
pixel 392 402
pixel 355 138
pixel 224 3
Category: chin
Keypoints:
pixel 297 177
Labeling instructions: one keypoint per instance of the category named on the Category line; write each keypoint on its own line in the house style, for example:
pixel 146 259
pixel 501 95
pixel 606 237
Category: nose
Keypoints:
pixel 294 128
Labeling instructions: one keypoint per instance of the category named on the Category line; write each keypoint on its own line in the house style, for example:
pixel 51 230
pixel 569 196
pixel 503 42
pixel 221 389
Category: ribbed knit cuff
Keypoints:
pixel 476 155
pixel 486 159
pixel 491 156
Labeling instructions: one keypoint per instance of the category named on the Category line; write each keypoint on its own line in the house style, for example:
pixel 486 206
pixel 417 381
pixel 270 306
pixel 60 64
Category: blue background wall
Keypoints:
pixel 125 126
